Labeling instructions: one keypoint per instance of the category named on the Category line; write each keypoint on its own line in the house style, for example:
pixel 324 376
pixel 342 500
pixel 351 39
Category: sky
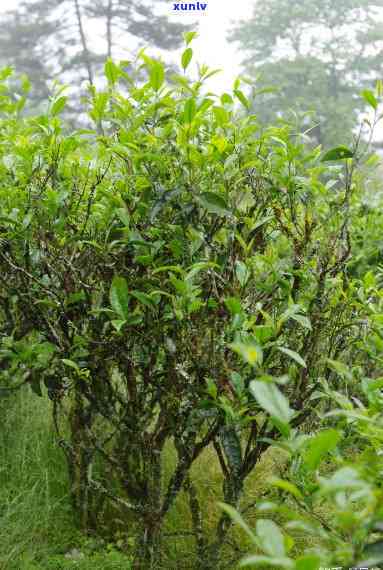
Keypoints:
pixel 211 47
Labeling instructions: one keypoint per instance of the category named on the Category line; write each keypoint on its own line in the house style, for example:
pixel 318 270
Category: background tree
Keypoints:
pixel 319 55
pixel 69 40
pixel 22 43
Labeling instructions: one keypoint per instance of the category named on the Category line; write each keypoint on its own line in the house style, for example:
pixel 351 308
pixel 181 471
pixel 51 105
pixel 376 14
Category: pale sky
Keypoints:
pixel 211 47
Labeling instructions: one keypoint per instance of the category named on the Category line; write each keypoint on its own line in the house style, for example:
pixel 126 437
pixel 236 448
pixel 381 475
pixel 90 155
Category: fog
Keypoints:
pixel 211 47
pixel 324 60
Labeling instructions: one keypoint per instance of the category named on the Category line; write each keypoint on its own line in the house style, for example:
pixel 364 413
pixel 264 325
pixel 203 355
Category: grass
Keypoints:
pixel 206 476
pixel 36 524
pixel 37 530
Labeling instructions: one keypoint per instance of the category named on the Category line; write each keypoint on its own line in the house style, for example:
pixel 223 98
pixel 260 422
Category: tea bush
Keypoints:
pixel 174 276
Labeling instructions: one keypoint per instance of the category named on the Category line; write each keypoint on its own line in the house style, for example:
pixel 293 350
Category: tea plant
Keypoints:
pixel 174 276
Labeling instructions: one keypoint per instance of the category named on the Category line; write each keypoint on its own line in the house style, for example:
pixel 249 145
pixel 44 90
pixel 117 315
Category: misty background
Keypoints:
pixel 308 60
pixel 211 47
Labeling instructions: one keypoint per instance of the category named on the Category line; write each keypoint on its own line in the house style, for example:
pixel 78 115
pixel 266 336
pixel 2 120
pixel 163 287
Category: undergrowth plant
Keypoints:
pixel 331 488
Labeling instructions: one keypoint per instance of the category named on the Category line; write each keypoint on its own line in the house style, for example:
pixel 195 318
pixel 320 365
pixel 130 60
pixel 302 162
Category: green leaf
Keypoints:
pixel 211 73
pixel 237 382
pixel 343 479
pixel 143 298
pixel 261 222
pixel 167 268
pixel 156 75
pixel 119 296
pixel 186 57
pixel 340 368
pixel 123 216
pixel 58 105
pixel 242 272
pixel 145 260
pixel 220 143
pixel 118 324
pixel 196 268
pixel 319 446
pixel 288 487
pixel 212 389
pixel 134 320
pixel 190 110
pixel 259 561
pixel 271 399
pixel 226 99
pixel 263 333
pixel 71 364
pixel 374 384
pixel 221 116
pixel 374 554
pixel 180 286
pixel 189 37
pixel 74 298
pixel 233 304
pixel 183 81
pixel 308 562
pixel 214 203
pixel 292 354
pixel 100 102
pixel 242 98
pixel 370 98
pixel 270 538
pixel 5 72
pixel 112 71
pixel 301 319
pixel 236 517
pixel 204 106
pixel 25 84
pixel 337 153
